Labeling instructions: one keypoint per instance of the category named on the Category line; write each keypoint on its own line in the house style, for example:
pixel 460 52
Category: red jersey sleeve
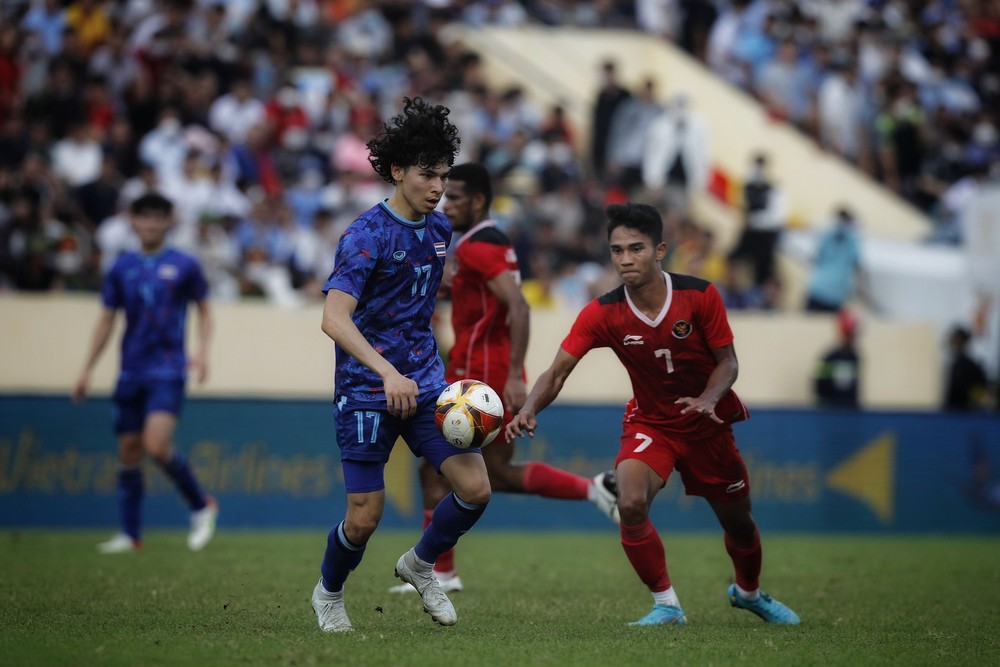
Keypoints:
pixel 487 260
pixel 586 332
pixel 714 322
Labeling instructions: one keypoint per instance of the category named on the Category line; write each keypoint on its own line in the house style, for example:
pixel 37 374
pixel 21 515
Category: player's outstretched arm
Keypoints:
pixel 400 391
pixel 98 340
pixel 546 388
pixel 508 292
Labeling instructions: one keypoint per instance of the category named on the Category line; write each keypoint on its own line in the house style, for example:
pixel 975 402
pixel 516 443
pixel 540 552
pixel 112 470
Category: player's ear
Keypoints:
pixel 479 202
pixel 661 251
pixel 397 172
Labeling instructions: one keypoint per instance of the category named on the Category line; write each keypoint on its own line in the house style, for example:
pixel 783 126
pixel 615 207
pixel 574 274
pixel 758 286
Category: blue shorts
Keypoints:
pixel 366 434
pixel 135 399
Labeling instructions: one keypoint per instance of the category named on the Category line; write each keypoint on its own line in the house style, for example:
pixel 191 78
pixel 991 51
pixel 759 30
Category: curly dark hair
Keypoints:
pixel 420 136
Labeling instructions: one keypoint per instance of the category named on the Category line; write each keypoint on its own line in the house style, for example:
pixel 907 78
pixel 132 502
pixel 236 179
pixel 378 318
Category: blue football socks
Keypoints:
pixel 341 557
pixel 452 518
pixel 178 470
pixel 130 494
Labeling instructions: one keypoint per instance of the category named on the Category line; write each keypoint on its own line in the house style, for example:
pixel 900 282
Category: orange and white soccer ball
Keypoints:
pixel 469 414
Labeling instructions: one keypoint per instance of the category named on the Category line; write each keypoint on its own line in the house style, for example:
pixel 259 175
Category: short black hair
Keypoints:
pixel 476 178
pixel 960 334
pixel 641 217
pixel 420 136
pixel 151 202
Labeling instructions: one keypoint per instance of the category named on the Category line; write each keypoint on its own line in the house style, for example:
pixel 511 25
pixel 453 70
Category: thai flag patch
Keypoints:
pixel 441 248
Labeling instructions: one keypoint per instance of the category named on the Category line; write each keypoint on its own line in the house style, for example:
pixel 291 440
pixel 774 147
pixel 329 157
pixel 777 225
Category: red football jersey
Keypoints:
pixel 666 358
pixel 482 338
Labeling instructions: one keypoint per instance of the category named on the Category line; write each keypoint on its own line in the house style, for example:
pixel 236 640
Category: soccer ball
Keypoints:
pixel 469 414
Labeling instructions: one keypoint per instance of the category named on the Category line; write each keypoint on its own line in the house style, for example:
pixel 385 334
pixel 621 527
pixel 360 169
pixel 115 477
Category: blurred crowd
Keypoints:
pixel 908 91
pixel 253 115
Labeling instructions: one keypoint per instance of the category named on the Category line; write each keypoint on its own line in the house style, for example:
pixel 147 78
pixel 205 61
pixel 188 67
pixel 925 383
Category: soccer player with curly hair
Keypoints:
pixel 380 299
pixel 491 320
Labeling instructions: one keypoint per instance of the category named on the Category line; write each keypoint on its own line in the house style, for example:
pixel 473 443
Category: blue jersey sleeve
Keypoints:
pixel 357 254
pixel 111 292
pixel 197 285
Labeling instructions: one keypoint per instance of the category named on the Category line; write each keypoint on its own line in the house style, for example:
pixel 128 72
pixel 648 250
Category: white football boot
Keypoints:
pixel 203 525
pixel 330 611
pixel 120 543
pixel 414 571
pixel 450 583
pixel 603 492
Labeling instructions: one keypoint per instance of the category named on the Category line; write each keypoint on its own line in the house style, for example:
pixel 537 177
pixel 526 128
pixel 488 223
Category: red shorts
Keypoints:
pixel 711 467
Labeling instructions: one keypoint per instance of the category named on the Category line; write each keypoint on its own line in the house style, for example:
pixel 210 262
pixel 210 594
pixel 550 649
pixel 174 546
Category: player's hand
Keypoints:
pixel 401 396
pixel 699 406
pixel 80 389
pixel 199 366
pixel 522 421
pixel 514 393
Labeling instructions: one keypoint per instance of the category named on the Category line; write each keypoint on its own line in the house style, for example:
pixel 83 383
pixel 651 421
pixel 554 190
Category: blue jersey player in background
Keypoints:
pixel 379 303
pixel 154 287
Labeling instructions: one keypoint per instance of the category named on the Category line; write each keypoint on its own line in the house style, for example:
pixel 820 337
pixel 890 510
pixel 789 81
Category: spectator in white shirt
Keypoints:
pixel 76 158
pixel 722 39
pixel 629 135
pixel 841 116
pixel 164 146
pixel 191 192
pixel 676 161
pixel 115 236
pixel 233 114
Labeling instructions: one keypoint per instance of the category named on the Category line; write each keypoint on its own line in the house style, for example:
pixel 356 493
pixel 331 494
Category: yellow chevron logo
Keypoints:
pixel 869 476
pixel 399 479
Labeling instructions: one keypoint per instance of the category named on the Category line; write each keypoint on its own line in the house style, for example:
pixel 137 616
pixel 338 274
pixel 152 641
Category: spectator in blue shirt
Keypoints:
pixel 836 266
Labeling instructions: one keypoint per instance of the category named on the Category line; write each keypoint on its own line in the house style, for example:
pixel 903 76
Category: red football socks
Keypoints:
pixel 746 561
pixel 541 479
pixel 645 551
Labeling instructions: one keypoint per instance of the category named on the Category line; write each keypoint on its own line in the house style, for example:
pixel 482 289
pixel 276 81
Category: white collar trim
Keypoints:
pixel 475 228
pixel 663 311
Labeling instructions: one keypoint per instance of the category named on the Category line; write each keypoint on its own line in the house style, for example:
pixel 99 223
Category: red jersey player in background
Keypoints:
pixel 490 319
pixel 671 333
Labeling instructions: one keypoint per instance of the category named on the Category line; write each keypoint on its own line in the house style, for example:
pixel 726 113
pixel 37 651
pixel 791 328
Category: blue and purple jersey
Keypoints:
pixel 393 268
pixel 154 291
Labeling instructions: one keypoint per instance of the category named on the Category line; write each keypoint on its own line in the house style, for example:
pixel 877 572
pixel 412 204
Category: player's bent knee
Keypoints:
pixel 475 495
pixel 360 529
pixel 632 513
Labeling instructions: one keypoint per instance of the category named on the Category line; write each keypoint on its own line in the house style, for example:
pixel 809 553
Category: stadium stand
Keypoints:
pixel 258 110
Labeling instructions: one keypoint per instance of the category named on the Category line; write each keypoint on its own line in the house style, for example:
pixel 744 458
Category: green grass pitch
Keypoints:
pixel 530 599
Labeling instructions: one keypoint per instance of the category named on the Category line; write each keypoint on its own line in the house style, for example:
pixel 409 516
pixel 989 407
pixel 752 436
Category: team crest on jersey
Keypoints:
pixel 681 329
pixel 399 255
pixel 166 271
